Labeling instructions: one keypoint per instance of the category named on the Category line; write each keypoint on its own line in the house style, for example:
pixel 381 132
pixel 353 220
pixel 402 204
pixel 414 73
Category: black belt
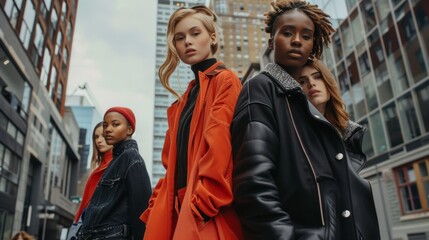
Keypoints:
pixel 109 232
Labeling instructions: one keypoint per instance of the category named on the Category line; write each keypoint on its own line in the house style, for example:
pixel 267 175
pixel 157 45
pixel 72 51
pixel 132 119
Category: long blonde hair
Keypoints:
pixel 335 110
pixel 208 19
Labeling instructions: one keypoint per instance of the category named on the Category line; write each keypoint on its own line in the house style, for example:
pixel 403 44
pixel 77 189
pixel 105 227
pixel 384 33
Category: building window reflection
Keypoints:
pixel 408 116
pixel 392 125
pixel 423 100
pixel 377 131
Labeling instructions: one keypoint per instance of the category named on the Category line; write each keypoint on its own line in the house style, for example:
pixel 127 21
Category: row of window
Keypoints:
pixel 9 169
pixel 382 79
pixel 11 129
pixel 55 53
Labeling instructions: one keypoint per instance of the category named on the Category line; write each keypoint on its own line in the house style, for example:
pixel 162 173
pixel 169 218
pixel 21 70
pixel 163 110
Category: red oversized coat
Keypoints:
pixel 209 184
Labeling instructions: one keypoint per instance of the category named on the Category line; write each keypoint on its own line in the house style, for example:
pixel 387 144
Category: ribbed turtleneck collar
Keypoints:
pixel 202 66
pixel 120 147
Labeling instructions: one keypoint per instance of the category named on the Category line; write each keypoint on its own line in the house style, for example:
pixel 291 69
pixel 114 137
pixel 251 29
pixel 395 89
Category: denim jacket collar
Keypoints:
pixel 120 147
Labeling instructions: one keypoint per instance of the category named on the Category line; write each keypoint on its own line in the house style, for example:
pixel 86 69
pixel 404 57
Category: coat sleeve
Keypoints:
pixel 145 215
pixel 256 149
pixel 139 191
pixel 213 188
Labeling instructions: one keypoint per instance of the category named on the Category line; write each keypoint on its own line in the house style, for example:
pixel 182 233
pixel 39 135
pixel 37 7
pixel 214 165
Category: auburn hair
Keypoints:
pixel 335 110
pixel 96 154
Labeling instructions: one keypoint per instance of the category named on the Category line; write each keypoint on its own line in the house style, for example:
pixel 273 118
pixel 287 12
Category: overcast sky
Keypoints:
pixel 114 53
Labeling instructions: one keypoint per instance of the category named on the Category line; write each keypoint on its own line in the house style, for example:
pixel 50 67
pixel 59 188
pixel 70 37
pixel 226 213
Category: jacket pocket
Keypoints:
pixel 108 190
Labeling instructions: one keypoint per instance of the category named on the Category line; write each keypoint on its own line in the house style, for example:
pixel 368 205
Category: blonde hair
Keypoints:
pixel 335 110
pixel 208 19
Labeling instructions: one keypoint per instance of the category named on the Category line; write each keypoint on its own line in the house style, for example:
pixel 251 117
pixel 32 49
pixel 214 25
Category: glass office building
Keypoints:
pixel 380 57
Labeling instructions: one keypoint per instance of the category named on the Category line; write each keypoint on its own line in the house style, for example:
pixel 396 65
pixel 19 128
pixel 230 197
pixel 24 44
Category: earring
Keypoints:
pixel 212 44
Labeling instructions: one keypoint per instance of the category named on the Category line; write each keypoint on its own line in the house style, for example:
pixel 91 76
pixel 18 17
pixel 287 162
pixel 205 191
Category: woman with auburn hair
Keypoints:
pixel 193 200
pixel 322 91
pixel 101 158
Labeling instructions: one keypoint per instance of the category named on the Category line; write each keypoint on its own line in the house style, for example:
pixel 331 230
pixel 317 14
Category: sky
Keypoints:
pixel 114 53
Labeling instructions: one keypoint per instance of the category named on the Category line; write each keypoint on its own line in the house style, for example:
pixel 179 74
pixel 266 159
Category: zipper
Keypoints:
pixel 309 162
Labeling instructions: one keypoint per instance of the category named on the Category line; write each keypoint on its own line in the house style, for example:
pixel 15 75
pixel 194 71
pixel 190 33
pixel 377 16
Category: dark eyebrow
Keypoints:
pixel 191 29
pixel 293 27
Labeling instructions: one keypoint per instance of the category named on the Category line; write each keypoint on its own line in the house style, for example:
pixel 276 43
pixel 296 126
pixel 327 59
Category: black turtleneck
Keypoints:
pixel 185 123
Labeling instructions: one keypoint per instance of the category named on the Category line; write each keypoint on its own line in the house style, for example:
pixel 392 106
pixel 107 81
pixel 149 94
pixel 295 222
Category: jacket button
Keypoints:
pixel 316 116
pixel 339 156
pixel 346 213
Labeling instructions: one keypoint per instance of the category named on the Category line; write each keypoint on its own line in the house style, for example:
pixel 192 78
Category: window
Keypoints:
pixel 38 45
pixel 367 9
pixel 382 8
pixel 421 11
pixel 53 82
pixel 407 31
pixel 369 90
pixel 392 125
pixel 9 165
pixel 412 181
pixel 53 26
pixel 13 9
pixel 58 45
pixel 377 131
pixel 347 37
pixel 423 99
pixel 27 24
pixel 407 113
pixel 45 68
pixel 367 146
pixel 338 49
pixel 383 83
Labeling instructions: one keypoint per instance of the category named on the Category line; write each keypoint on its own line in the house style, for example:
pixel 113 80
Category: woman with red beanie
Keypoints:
pixel 124 189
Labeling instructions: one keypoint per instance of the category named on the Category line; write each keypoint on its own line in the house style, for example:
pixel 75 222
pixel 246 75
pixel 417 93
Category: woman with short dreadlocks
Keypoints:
pixel 292 176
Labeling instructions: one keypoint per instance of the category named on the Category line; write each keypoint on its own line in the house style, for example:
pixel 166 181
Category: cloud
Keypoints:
pixel 114 53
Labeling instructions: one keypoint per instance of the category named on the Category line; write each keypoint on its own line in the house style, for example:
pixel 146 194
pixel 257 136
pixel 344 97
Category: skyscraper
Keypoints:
pixel 243 35
pixel 38 134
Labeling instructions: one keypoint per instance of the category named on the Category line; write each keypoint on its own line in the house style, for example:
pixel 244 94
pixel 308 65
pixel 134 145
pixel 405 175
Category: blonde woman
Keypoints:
pixel 193 200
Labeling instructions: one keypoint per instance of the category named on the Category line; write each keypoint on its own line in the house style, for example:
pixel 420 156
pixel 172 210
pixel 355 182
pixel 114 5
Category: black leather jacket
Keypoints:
pixel 293 178
pixel 120 197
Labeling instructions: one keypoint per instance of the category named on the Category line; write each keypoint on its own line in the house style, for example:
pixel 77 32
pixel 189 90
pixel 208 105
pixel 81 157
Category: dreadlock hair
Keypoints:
pixel 335 110
pixel 322 25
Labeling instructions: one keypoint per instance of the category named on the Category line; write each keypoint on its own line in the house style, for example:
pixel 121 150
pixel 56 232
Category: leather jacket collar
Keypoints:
pixel 281 77
pixel 120 147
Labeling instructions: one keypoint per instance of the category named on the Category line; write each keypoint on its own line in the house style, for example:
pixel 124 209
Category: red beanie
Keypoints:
pixel 127 113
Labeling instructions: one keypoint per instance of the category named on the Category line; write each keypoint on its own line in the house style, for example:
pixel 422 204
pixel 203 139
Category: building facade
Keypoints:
pixel 243 35
pixel 380 57
pixel 38 135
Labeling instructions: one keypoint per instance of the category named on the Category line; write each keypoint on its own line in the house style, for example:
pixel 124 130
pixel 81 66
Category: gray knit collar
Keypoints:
pixel 281 77
pixel 351 128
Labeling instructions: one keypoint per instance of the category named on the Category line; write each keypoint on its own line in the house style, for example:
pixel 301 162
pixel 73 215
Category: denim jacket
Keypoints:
pixel 120 197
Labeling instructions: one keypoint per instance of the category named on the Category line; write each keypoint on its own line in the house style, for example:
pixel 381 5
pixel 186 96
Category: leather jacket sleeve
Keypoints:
pixel 255 151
